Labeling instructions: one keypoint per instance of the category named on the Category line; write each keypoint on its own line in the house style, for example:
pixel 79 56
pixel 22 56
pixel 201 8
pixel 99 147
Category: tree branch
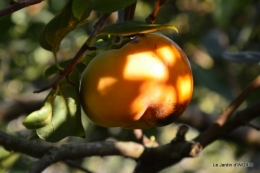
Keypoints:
pixel 149 159
pixel 81 150
pixel 202 121
pixel 17 6
pixel 48 155
pixel 29 148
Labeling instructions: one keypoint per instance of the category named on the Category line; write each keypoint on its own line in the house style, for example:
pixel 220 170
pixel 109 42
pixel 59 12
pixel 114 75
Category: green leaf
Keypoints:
pixel 40 117
pixel 66 112
pixel 82 8
pixel 59 27
pixel 129 28
pixel 7 159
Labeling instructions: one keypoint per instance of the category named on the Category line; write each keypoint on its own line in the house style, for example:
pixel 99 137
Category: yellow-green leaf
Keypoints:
pixel 129 28
pixel 66 112
pixel 40 117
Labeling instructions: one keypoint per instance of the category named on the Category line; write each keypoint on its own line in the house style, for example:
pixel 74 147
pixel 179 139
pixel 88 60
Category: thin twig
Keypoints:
pixel 222 122
pixel 99 25
pixel 257 127
pixel 238 101
pixel 17 6
pixel 152 17
pixel 129 12
pixel 253 126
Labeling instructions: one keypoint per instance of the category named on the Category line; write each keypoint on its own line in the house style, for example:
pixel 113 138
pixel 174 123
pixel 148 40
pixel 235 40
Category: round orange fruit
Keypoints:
pixel 146 83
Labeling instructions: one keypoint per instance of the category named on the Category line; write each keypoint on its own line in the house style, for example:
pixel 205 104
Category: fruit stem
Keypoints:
pixel 98 26
pixel 152 17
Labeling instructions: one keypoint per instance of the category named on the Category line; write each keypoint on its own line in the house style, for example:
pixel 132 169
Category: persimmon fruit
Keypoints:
pixel 146 83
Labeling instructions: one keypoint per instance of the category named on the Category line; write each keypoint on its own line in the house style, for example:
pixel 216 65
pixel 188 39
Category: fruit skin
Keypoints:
pixel 146 83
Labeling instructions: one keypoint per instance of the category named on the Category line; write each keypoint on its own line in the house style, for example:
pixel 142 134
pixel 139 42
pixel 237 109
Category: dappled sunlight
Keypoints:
pixel 166 53
pixel 184 86
pixel 153 68
pixel 104 84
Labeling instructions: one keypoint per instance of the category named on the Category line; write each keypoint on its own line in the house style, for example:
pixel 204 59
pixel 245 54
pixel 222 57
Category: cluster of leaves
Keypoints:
pixel 61 115
pixel 73 15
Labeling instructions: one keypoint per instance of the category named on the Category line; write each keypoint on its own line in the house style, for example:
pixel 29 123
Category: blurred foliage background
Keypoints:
pixel 207 29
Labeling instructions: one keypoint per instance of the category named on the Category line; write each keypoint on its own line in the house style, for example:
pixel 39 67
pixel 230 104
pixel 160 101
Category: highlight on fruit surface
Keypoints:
pixel 146 83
